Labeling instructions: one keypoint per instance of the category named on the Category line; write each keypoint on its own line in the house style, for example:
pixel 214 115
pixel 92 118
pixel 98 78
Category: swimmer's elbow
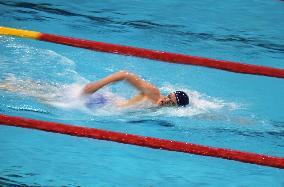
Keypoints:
pixel 125 74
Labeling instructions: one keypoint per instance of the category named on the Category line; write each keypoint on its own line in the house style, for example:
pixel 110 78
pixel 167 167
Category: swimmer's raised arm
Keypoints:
pixel 143 86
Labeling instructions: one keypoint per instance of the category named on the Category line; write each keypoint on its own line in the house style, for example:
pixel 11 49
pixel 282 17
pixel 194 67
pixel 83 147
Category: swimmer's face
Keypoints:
pixel 169 100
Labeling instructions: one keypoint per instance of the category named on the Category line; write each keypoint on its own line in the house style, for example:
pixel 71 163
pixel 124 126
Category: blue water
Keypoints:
pixel 229 110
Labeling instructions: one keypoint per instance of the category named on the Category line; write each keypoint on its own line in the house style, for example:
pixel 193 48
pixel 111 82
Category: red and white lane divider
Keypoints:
pixel 156 143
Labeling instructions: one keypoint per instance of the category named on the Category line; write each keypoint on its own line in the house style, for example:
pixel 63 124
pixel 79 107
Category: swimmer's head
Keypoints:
pixel 181 98
pixel 177 98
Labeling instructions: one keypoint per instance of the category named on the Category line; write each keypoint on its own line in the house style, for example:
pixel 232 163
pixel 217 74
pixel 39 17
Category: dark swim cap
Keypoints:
pixel 182 98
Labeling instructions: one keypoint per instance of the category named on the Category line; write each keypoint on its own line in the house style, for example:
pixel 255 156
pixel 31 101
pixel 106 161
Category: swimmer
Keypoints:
pixel 70 96
pixel 147 91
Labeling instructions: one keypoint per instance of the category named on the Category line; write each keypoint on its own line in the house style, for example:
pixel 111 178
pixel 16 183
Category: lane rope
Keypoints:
pixel 143 141
pixel 147 53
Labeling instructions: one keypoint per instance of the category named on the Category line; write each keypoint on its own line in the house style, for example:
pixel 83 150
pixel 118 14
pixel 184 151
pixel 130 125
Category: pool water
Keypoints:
pixel 228 110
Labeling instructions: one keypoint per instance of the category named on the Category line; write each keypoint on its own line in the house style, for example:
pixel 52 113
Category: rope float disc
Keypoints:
pixel 147 53
pixel 143 141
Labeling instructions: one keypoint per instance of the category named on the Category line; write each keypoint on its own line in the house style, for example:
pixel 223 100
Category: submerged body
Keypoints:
pixel 95 100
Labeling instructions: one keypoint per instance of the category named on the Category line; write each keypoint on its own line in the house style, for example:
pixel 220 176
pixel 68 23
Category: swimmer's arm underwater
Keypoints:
pixel 146 89
pixel 132 101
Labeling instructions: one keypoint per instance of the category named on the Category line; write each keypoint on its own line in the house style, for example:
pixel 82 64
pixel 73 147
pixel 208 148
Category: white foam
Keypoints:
pixel 68 97
pixel 199 103
pixel 39 60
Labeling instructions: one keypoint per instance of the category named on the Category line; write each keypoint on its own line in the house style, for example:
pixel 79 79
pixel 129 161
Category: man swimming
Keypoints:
pixel 69 96
pixel 147 90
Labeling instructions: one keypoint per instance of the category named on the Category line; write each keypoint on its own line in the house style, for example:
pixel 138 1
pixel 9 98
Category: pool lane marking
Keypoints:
pixel 147 53
pixel 143 141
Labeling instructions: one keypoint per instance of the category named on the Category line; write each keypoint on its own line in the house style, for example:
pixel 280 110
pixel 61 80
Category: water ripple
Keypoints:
pixel 5 182
pixel 115 22
pixel 28 109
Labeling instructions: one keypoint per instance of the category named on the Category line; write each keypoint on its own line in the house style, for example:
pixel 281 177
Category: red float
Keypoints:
pixel 150 142
pixel 164 56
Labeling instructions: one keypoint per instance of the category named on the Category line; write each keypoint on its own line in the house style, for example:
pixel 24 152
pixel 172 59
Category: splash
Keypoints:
pixel 36 63
pixel 43 74
pixel 199 103
pixel 64 96
pixel 61 86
